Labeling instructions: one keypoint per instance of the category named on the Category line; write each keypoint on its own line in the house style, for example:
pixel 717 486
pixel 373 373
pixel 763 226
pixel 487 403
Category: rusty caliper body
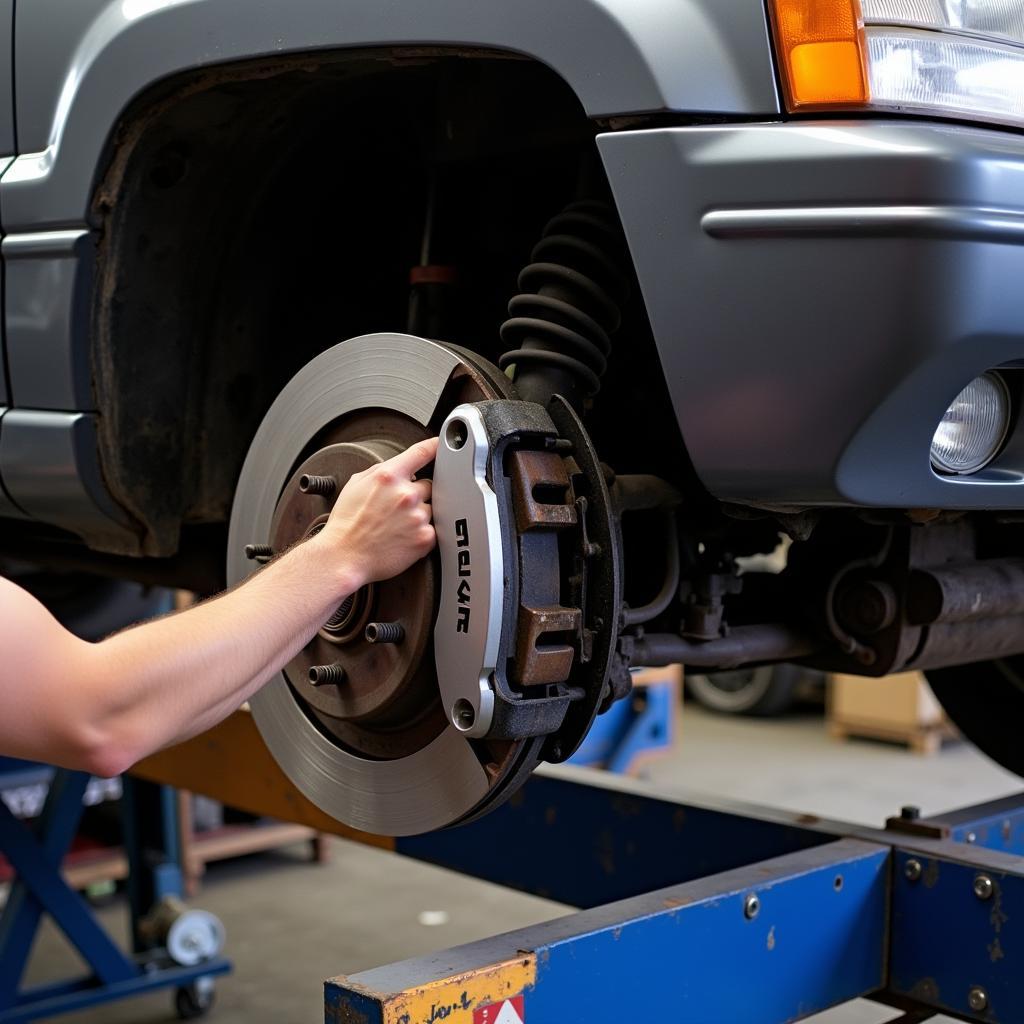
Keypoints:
pixel 529 574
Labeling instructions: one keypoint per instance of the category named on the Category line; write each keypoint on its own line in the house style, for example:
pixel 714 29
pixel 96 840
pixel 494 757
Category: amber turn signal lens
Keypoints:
pixel 821 51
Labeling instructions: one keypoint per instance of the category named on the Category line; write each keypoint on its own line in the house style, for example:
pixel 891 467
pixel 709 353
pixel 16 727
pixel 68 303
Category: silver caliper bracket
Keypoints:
pixel 467 633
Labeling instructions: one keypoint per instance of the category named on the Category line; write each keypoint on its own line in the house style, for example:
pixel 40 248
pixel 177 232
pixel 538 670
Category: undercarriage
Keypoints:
pixel 577 541
pixel 427 700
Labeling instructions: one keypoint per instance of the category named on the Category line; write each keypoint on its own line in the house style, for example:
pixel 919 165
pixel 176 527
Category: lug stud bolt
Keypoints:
pixel 259 552
pixel 311 484
pixel 983 887
pixel 321 675
pixel 384 632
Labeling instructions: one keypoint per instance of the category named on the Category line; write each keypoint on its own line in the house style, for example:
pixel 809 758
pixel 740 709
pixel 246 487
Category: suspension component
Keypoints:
pixel 560 325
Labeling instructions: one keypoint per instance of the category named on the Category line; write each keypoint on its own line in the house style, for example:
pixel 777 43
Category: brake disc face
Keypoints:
pixel 378 741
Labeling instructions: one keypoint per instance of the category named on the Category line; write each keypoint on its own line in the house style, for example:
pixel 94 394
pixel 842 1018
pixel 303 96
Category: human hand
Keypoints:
pixel 380 524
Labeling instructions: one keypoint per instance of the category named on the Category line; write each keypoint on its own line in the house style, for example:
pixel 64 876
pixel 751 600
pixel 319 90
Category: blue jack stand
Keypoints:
pixel 39 889
pixel 633 730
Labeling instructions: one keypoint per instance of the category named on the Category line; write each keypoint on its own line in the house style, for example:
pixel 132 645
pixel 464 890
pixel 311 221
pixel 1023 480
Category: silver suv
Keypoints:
pixel 701 282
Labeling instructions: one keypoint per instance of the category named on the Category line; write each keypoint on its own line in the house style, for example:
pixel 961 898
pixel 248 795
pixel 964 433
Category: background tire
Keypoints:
pixel 763 691
pixel 986 703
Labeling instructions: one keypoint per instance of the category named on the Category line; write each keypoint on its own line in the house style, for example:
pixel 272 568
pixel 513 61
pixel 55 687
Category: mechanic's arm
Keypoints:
pixel 103 706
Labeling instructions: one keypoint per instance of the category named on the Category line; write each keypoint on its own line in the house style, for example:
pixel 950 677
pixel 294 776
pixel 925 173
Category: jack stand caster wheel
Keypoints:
pixel 195 1000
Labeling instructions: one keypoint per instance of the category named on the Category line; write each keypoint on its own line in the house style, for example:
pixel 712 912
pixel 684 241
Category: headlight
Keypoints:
pixel 974 427
pixel 953 58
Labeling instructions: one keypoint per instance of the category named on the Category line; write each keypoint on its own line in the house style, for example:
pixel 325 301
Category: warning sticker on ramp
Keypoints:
pixel 510 1011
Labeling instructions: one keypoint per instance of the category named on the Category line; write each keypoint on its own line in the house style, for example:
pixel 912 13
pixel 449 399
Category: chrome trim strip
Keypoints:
pixel 36 244
pixel 960 223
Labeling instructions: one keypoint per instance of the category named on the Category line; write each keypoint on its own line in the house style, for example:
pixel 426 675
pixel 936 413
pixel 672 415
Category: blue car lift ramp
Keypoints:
pixel 693 910
pixel 720 914
pixel 36 855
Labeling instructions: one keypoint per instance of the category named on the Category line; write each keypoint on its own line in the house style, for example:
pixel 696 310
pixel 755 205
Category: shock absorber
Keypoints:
pixel 560 324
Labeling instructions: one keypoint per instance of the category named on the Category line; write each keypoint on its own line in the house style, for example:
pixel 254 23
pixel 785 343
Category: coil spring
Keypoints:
pixel 571 296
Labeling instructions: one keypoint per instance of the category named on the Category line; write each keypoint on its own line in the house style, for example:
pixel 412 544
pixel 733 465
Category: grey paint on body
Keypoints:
pixel 7 141
pixel 49 292
pixel 51 472
pixel 820 292
pixel 80 64
pixel 7 135
pixel 7 507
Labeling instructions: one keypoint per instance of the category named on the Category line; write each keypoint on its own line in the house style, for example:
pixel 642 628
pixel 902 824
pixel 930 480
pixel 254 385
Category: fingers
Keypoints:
pixel 427 539
pixel 423 489
pixel 413 458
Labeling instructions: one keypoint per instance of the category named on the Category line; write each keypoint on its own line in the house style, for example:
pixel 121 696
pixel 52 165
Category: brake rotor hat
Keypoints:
pixel 445 779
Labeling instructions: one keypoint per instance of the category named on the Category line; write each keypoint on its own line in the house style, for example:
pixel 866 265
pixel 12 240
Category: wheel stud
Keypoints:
pixel 384 632
pixel 259 552
pixel 312 484
pixel 321 675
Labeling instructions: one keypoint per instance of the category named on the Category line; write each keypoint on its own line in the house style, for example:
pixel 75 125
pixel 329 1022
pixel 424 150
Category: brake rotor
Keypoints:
pixel 375 749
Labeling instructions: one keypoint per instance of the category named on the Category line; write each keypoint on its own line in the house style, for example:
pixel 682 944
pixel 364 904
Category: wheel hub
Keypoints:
pixel 381 703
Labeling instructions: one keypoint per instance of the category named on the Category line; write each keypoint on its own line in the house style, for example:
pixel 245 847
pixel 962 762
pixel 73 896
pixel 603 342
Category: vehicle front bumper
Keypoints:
pixel 820 292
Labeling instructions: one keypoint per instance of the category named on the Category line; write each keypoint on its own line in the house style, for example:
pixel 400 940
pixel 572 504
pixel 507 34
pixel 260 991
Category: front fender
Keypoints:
pixel 79 65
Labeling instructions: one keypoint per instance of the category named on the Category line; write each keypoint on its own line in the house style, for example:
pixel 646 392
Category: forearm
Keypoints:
pixel 103 706
pixel 166 680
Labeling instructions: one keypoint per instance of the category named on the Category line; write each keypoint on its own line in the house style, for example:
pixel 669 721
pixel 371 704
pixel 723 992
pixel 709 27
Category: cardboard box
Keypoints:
pixel 899 707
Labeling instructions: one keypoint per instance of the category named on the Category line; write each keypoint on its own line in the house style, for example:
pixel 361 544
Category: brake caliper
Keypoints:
pixel 524 588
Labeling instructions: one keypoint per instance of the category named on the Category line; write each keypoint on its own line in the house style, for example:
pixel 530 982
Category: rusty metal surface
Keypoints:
pixel 540 657
pixel 743 645
pixel 598 582
pixel 967 592
pixel 386 705
pixel 540 490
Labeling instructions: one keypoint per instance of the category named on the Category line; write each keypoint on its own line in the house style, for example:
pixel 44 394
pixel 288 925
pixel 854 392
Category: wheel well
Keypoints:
pixel 252 217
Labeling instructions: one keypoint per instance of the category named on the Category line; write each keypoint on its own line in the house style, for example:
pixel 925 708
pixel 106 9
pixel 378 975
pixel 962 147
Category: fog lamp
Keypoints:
pixel 973 428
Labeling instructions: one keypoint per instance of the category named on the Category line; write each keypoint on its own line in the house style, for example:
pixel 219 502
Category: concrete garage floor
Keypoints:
pixel 290 924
